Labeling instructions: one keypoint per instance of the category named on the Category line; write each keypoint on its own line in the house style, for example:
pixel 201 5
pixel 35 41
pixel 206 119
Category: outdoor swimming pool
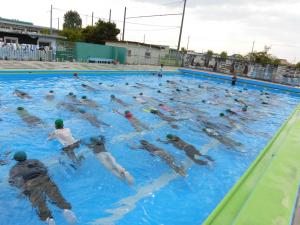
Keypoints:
pixel 159 195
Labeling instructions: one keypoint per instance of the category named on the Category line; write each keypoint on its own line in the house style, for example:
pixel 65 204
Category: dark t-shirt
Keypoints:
pixel 26 170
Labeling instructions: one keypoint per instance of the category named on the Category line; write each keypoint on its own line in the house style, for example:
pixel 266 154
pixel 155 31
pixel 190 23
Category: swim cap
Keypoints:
pixel 75 74
pixel 160 85
pixel 71 93
pixel 187 89
pixel 160 104
pixel 154 111
pixel 245 108
pixel 51 91
pixel 169 136
pixel 203 101
pixel 221 114
pixel 177 89
pixel 100 83
pixel 20 108
pixel 59 123
pixel 83 85
pixel 84 97
pixel 158 91
pixel 171 99
pixel 199 86
pixel 20 156
pixel 126 83
pixel 128 114
pixel 141 93
pixel 168 81
pixel 82 111
pixel 112 96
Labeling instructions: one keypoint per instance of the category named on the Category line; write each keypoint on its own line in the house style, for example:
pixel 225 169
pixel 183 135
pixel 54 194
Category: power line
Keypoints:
pixel 153 25
pixel 154 29
pixel 159 15
pixel 172 2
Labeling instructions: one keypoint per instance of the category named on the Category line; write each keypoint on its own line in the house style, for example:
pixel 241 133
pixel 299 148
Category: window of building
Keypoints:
pixel 129 52
pixel 4 27
pixel 11 40
pixel 44 44
pixel 147 54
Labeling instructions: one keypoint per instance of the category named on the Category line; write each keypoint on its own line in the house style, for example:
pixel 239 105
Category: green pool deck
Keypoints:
pixel 266 194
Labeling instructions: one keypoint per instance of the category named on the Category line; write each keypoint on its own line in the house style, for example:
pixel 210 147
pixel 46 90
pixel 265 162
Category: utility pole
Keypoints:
pixel 253 47
pixel 187 46
pixel 51 20
pixel 180 33
pixel 144 38
pixel 124 21
pixel 92 18
pixel 58 23
pixel 109 16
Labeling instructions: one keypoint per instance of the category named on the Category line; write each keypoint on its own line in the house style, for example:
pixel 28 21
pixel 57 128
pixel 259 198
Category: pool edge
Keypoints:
pixel 266 193
pixel 243 80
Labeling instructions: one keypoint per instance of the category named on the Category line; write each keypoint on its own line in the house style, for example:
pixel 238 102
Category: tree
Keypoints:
pixel 72 34
pixel 223 55
pixel 102 31
pixel 264 58
pixel 298 65
pixel 208 56
pixel 72 20
pixel 183 50
pixel 45 31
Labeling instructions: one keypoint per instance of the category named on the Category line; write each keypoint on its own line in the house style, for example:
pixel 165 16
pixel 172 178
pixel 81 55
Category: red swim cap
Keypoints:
pixel 128 115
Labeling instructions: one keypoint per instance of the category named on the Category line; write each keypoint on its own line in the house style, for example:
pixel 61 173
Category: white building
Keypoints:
pixel 141 53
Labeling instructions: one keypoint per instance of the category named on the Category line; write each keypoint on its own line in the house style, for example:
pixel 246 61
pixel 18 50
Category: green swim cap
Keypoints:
pixel 82 111
pixel 20 156
pixel 20 108
pixel 154 111
pixel 221 114
pixel 126 112
pixel 59 123
pixel 169 136
pixel 84 97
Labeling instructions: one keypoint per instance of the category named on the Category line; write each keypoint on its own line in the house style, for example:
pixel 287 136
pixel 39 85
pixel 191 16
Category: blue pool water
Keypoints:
pixel 158 196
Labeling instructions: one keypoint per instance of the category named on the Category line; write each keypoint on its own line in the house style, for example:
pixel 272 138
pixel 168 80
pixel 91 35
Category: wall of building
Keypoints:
pixel 22 39
pixel 83 51
pixel 141 54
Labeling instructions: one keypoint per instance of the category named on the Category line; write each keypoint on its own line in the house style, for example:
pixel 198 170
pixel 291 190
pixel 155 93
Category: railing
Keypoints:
pixel 26 54
pixel 277 74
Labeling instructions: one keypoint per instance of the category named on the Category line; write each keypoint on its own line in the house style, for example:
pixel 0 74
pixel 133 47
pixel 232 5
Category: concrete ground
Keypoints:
pixel 37 65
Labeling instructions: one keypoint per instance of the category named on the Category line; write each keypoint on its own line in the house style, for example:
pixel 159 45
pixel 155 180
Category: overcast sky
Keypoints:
pixel 219 25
